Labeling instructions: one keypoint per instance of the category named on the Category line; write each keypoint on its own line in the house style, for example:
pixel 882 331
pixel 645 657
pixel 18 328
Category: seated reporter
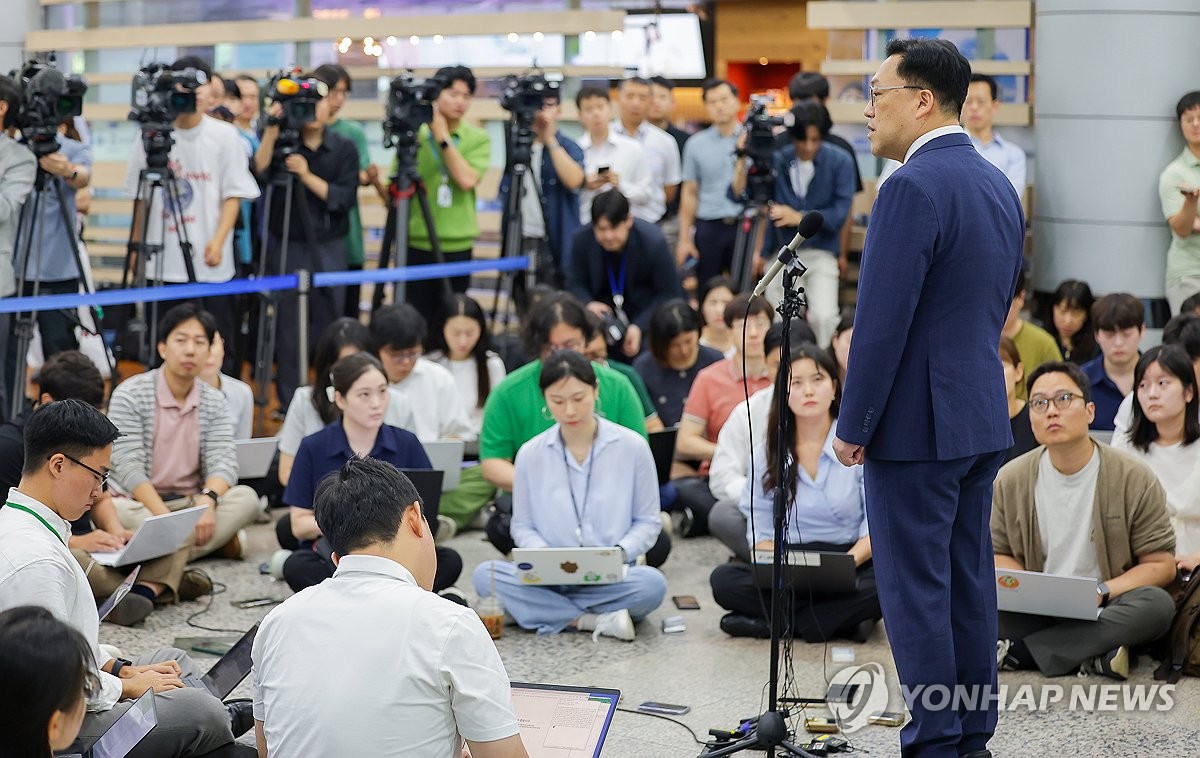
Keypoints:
pixel 48 674
pixel 1076 507
pixel 584 482
pixel 360 391
pixel 825 513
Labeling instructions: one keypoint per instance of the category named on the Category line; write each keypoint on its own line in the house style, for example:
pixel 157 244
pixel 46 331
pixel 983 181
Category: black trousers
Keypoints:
pixel 693 494
pixel 714 241
pixel 427 295
pixel 307 567
pixel 826 617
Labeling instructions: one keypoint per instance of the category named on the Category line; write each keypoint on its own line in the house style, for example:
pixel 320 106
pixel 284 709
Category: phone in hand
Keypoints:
pixel 1187 190
pixel 686 602
pixel 602 170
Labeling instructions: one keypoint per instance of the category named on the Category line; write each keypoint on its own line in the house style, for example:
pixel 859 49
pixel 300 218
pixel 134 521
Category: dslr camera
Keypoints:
pixel 409 104
pixel 48 97
pixel 614 325
pixel 523 96
pixel 299 97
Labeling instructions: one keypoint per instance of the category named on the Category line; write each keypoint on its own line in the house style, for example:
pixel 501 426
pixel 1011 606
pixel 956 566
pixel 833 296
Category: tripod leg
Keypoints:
pixel 173 200
pixel 434 244
pixel 385 248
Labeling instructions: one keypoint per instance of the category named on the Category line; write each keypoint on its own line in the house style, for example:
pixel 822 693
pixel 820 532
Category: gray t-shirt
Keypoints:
pixel 1064 511
pixel 708 161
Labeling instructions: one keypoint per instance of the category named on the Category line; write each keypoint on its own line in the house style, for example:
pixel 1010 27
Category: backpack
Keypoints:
pixel 1182 654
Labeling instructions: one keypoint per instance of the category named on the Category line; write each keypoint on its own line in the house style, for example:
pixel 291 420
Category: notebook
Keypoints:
pixel 1068 597
pixel 254 456
pixel 446 456
pixel 119 593
pixel 227 673
pixel 809 571
pixel 122 736
pixel 558 721
pixel 155 537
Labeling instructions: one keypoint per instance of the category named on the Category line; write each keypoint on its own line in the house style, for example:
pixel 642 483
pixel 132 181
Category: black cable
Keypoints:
pixel 665 718
pixel 191 620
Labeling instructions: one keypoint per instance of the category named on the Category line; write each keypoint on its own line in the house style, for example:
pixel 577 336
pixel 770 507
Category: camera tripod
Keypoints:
pixel 31 247
pixel 751 227
pixel 156 179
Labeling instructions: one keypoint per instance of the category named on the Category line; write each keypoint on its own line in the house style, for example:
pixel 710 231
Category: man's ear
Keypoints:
pixel 45 399
pixel 414 520
pixel 336 558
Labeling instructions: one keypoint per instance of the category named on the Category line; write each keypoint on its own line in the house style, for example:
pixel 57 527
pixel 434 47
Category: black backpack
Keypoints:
pixel 1182 648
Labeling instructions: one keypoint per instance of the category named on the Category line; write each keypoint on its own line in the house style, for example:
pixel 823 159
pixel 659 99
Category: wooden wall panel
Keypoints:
pixel 773 29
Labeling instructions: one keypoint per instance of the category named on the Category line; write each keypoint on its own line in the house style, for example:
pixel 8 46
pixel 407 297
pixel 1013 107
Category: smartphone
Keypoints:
pixel 602 170
pixel 256 602
pixel 841 693
pixel 886 718
pixel 651 706
pixel 686 602
pixel 818 725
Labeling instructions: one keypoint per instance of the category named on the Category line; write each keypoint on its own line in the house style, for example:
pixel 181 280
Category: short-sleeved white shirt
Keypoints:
pixel 662 154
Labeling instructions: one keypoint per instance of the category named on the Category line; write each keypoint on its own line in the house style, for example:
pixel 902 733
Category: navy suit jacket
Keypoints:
pixel 938 273
pixel 831 192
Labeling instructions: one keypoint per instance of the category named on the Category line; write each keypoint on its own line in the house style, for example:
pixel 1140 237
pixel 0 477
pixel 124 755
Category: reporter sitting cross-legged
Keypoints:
pixel 584 482
pixel 825 514
pixel 360 391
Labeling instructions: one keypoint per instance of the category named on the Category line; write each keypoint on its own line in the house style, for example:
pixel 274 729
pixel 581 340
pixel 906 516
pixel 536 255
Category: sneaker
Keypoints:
pixel 455 595
pixel 668 525
pixel 195 583
pixel 133 609
pixel 1003 661
pixel 446 528
pixel 1114 664
pixel 615 624
pixel 737 625
pixel 233 549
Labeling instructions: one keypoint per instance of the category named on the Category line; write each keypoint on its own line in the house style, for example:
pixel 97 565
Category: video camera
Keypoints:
pixel 299 97
pixel 523 96
pixel 48 97
pixel 159 94
pixel 760 146
pixel 409 104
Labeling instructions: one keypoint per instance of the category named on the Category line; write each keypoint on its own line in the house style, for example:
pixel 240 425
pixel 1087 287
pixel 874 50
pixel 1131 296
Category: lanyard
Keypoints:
pixel 579 513
pixel 437 156
pixel 45 523
pixel 617 286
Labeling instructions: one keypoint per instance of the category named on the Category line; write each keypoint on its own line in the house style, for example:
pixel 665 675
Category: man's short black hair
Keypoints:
pixel 71 375
pixel 808 84
pixel 362 504
pixel 248 78
pixel 1021 282
pixel 711 84
pixel 232 89
pixel 588 91
pixel 633 80
pixel 398 326
pixel 662 81
pixel 193 61
pixel 611 205
pixel 10 92
pixel 1184 330
pixel 1117 311
pixel 548 312
pixel 185 312
pixel 70 427
pixel 1063 367
pixel 736 309
pixel 332 73
pixel 801 332
pixel 804 115
pixel 989 81
pixel 1186 103
pixel 935 65
pixel 451 74
pixel 1191 304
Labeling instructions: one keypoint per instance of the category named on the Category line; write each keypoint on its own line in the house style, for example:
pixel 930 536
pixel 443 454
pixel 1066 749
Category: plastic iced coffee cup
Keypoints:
pixel 491 613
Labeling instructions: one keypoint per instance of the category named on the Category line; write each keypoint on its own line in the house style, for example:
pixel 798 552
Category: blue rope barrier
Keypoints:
pixel 248 286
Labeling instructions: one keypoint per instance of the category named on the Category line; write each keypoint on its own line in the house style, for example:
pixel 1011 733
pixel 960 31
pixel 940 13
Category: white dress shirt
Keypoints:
pixel 1005 156
pixel 731 462
pixel 627 158
pixel 438 410
pixel 369 664
pixel 662 153
pixel 37 568
pixel 931 135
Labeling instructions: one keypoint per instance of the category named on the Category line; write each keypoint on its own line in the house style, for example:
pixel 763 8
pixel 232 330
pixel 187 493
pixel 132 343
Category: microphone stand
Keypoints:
pixel 770 731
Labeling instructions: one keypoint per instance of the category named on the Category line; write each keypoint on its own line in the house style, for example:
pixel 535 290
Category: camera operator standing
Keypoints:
pixel 325 169
pixel 17 170
pixel 208 158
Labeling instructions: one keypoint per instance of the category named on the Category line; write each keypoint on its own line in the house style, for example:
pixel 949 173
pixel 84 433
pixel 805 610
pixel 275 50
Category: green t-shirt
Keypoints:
pixel 513 413
pixel 457 226
pixel 1035 346
pixel 353 131
pixel 639 386
pixel 1183 256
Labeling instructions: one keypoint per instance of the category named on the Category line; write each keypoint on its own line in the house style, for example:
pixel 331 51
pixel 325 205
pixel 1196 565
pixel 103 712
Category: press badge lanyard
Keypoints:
pixel 45 523
pixel 445 196
pixel 617 286
pixel 579 513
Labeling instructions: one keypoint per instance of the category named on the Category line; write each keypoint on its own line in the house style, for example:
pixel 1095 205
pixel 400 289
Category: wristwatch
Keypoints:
pixel 118 664
pixel 444 144
pixel 1102 591
pixel 212 494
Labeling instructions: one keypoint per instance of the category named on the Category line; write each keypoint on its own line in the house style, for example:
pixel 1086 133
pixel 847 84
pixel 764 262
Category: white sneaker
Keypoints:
pixel 446 528
pixel 1002 648
pixel 615 624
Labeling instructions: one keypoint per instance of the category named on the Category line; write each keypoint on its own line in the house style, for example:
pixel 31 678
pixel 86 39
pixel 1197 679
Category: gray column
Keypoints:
pixel 19 17
pixel 1107 76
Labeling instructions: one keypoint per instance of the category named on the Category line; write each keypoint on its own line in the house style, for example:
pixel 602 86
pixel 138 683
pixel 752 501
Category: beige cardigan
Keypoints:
pixel 1129 518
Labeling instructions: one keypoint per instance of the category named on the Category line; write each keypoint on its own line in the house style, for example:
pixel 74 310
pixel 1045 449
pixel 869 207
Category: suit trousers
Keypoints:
pixel 932 548
pixel 727 523
pixel 1059 645
pixel 238 509
pixel 191 722
pixel 714 242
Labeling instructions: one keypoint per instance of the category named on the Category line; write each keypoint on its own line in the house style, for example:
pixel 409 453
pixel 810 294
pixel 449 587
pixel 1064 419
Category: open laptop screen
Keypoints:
pixel 557 721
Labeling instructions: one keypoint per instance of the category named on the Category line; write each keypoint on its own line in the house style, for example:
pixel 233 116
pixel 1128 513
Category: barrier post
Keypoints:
pixel 303 290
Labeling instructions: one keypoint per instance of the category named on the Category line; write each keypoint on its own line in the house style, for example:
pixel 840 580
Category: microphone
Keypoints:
pixel 809 225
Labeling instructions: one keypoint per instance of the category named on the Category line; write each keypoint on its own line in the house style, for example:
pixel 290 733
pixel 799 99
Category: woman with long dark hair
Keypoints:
pixel 1070 321
pixel 675 357
pixel 824 513
pixel 459 341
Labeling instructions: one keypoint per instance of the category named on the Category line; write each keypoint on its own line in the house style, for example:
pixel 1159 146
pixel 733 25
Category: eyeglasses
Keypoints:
pixel 101 478
pixel 873 93
pixel 402 356
pixel 574 345
pixel 1039 404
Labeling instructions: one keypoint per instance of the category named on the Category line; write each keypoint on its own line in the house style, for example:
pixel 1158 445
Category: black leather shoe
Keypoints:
pixel 241 715
pixel 977 754
pixel 861 631
pixel 737 625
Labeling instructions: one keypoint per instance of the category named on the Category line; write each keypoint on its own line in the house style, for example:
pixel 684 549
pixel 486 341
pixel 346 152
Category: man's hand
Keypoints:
pixel 544 126
pixel 633 340
pixel 170 668
pixel 206 525
pixel 136 685
pixel 55 163
pixel 1188 562
pixel 784 215
pixel 1189 193
pixel 683 250
pixel 372 174
pixel 599 308
pixel 297 164
pixel 438 127
pixel 596 181
pixel 758 266
pixel 849 455
pixel 743 135
pixel 213 252
pixel 97 541
pixel 764 545
pixel 843 266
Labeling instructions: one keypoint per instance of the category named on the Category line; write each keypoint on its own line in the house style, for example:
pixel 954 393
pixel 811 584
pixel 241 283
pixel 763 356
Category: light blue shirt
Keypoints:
pixel 828 508
pixel 1005 156
pixel 708 161
pixel 615 493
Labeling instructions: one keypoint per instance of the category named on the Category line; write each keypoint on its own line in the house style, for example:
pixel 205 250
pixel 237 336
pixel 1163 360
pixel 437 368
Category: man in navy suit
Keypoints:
pixel 924 401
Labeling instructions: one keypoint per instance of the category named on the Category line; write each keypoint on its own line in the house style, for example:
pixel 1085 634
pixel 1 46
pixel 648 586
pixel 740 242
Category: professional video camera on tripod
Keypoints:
pixel 48 98
pixel 759 129
pixel 409 105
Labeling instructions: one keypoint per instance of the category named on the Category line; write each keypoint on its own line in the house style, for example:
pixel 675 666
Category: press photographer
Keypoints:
pixel 17 170
pixel 207 161
pixel 321 170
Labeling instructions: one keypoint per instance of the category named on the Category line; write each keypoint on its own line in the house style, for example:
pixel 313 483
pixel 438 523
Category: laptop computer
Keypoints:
pixel 569 565
pixel 122 736
pixel 428 482
pixel 557 721
pixel 227 673
pixel 119 593
pixel 446 456
pixel 809 571
pixel 155 537
pixel 1068 597
pixel 254 456
pixel 662 447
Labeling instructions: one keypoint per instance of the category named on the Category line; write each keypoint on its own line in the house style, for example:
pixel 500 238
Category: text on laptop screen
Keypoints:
pixel 562 723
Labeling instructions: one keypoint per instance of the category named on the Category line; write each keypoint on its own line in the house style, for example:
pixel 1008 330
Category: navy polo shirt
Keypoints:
pixel 328 450
pixel 1105 394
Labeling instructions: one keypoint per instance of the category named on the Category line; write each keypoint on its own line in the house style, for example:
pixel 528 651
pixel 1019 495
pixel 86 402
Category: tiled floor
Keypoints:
pixel 720 678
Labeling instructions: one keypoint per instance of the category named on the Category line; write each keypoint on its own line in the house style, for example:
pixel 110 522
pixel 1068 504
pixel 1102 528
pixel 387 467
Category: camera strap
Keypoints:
pixel 445 196
pixel 617 286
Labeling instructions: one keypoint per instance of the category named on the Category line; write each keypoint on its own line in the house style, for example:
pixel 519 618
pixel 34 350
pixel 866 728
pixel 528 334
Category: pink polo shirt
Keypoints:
pixel 175 459
pixel 716 391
